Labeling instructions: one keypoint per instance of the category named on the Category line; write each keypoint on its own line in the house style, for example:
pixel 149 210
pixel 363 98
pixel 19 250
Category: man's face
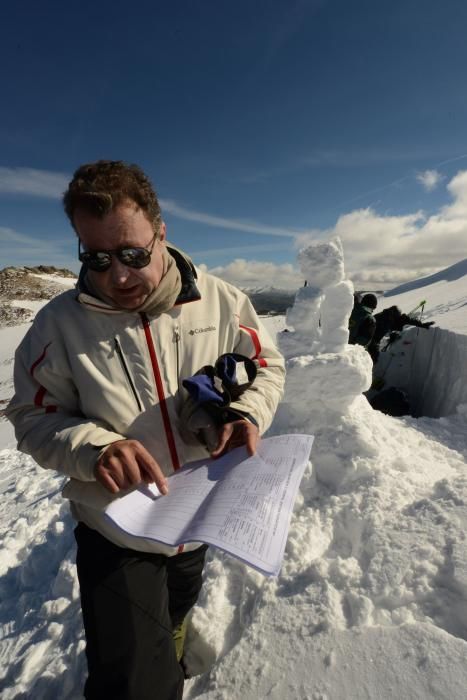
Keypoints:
pixel 126 225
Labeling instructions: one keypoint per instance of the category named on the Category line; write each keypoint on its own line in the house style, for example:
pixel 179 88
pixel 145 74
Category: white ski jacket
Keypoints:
pixel 87 375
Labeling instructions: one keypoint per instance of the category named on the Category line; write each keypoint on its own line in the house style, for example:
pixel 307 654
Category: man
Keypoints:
pixel 99 398
pixel 362 323
pixel 391 320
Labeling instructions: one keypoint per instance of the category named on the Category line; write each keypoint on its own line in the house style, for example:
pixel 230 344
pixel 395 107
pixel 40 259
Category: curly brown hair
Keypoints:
pixel 101 186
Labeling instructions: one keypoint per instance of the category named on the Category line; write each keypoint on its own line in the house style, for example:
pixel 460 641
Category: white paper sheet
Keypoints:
pixel 238 503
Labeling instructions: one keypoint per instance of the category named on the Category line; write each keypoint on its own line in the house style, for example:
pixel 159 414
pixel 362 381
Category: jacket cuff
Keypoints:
pixel 230 414
pixel 90 453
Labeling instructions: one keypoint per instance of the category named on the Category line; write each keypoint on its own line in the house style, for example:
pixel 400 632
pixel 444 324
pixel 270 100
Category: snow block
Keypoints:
pixel 332 380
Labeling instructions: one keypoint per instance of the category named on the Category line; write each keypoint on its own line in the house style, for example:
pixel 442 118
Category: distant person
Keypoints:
pixel 362 323
pixel 391 320
pixel 99 397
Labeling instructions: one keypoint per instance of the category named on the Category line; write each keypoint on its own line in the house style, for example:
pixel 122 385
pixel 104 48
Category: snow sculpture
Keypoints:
pixel 321 310
pixel 325 375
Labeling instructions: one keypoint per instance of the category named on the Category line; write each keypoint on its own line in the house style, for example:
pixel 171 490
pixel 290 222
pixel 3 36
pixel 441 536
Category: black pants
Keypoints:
pixel 130 602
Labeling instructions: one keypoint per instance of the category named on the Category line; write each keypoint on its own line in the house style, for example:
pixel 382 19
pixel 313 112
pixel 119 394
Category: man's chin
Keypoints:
pixel 129 301
pixel 131 307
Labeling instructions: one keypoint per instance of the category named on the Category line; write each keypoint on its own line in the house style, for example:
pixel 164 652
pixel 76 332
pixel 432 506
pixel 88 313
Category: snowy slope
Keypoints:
pixel 445 295
pixel 371 601
pixel 449 274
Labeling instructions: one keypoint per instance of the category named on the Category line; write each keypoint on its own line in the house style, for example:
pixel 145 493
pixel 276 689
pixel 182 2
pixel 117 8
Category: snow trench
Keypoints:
pixel 430 365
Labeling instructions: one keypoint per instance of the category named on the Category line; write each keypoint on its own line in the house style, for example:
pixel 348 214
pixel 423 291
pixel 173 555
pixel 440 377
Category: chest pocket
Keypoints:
pixel 202 339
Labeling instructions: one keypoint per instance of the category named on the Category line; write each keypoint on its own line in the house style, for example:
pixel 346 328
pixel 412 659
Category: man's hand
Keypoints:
pixel 126 463
pixel 231 435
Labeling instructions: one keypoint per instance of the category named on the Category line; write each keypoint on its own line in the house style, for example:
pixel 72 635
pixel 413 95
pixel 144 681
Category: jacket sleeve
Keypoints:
pixel 260 401
pixel 412 321
pixel 45 409
pixel 365 331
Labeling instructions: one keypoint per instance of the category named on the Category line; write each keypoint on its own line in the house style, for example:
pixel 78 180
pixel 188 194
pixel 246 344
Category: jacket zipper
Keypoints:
pixel 160 393
pixel 177 355
pixel 121 356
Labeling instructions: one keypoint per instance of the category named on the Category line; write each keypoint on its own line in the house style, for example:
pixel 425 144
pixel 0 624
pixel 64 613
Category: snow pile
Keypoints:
pixel 371 601
pixel 42 649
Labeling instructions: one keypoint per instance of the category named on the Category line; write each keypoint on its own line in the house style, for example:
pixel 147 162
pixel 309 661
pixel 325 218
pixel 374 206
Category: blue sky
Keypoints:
pixel 263 124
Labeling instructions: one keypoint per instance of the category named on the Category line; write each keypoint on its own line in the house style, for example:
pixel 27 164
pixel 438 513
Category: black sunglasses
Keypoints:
pixel 131 256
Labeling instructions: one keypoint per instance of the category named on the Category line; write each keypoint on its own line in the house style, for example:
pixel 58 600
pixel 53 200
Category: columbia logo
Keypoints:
pixel 195 331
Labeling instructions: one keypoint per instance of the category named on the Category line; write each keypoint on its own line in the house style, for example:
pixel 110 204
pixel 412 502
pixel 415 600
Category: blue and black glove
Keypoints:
pixel 210 393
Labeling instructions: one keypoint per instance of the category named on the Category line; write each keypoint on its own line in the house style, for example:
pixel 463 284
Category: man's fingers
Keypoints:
pixel 150 470
pixel 224 436
pixel 127 463
pixel 252 439
pixel 123 468
pixel 235 434
pixel 106 480
pixel 151 476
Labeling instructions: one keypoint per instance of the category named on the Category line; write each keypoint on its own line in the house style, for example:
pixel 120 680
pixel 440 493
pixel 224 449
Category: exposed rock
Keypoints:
pixel 13 315
pixel 21 283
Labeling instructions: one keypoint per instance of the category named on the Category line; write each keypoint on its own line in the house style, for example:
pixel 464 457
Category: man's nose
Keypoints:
pixel 120 272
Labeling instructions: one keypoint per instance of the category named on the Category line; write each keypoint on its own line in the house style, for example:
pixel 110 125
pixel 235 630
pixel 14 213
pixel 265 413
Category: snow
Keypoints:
pixel 371 601
pixel 28 304
pixel 54 277
pixel 449 274
pixel 444 296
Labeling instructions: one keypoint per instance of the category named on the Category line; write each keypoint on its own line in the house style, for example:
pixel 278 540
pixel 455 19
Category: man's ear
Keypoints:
pixel 162 231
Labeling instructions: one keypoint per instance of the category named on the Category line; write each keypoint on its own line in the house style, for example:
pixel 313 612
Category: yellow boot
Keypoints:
pixel 179 634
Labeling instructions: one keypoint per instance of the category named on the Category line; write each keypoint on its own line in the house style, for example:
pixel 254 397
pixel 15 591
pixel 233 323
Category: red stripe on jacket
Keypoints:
pixel 257 345
pixel 39 360
pixel 41 392
pixel 39 397
pixel 160 392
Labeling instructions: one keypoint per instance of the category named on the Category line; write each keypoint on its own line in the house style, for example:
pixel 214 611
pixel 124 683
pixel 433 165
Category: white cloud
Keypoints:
pixel 39 183
pixel 9 238
pixel 380 250
pixel 220 222
pixel 44 183
pixel 458 191
pixel 241 250
pixel 251 273
pixel 383 249
pixel 429 179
